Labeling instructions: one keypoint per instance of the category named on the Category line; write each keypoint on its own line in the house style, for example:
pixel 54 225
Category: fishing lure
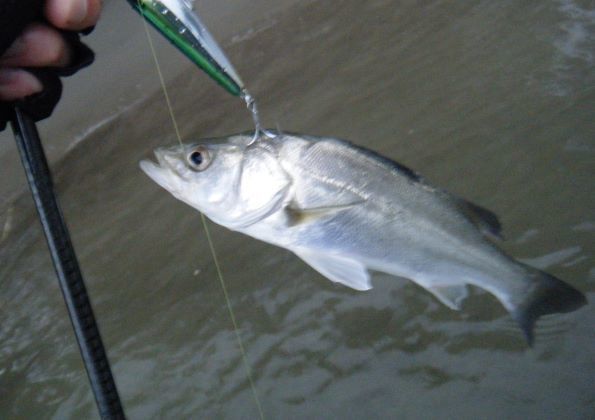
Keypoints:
pixel 177 21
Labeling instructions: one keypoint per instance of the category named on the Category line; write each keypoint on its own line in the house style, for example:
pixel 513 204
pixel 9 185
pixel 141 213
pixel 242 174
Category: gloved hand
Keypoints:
pixel 39 43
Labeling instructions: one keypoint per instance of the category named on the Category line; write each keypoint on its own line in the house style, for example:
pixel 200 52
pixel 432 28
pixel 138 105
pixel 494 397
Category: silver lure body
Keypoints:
pixel 345 210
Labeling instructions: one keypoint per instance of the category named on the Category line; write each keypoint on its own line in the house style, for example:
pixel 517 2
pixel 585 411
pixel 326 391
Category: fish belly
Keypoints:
pixel 414 249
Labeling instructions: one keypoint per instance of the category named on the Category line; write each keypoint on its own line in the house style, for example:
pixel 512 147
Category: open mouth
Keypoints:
pixel 158 172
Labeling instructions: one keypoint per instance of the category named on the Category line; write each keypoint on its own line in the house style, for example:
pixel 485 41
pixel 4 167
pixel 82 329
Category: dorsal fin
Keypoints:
pixel 485 220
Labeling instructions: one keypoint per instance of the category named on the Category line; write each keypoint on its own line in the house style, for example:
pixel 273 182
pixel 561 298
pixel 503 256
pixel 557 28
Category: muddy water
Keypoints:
pixel 491 100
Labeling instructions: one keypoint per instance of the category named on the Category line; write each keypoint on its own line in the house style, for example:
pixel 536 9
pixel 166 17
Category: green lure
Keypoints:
pixel 176 20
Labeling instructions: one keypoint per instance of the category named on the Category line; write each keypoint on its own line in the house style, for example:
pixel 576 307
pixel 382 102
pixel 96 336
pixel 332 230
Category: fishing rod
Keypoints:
pixel 66 265
pixel 64 259
pixel 175 20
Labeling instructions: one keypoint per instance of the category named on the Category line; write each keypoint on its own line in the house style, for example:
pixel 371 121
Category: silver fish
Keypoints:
pixel 346 210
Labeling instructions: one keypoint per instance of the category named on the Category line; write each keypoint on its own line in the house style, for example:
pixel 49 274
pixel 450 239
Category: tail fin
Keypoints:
pixel 550 295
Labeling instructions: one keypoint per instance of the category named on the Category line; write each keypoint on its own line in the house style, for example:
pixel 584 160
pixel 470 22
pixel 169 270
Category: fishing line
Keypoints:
pixel 231 314
pixel 207 232
pixel 161 79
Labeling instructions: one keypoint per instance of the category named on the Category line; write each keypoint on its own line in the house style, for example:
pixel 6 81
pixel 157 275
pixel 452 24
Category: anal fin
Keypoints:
pixel 451 296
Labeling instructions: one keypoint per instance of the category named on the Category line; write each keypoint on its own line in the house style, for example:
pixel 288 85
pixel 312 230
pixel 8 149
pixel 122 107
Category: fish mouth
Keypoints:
pixel 159 171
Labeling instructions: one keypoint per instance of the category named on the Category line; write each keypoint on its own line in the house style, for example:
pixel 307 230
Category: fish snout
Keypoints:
pixel 166 170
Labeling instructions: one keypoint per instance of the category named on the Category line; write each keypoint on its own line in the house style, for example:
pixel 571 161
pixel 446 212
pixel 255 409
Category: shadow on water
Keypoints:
pixel 491 100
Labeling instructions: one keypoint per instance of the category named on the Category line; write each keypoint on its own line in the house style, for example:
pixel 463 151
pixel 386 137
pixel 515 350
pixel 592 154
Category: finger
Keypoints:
pixel 73 15
pixel 17 83
pixel 38 46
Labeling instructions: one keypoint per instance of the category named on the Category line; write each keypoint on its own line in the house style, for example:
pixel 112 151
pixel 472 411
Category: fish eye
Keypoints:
pixel 199 159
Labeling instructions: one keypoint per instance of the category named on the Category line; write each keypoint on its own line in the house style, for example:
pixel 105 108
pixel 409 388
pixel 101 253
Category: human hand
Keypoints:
pixel 43 45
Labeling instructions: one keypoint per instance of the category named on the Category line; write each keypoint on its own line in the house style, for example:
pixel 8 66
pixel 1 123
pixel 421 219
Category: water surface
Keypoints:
pixel 491 100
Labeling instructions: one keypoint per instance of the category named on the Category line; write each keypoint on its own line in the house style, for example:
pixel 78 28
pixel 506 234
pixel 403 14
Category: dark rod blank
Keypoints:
pixel 67 267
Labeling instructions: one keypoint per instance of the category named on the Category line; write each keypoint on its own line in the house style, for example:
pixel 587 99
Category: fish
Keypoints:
pixel 346 210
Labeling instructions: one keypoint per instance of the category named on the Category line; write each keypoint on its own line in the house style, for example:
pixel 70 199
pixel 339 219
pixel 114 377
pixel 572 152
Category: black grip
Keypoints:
pixel 14 16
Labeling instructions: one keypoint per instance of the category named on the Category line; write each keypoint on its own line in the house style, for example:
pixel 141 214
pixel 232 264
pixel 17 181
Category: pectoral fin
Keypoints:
pixel 339 269
pixel 297 216
pixel 451 296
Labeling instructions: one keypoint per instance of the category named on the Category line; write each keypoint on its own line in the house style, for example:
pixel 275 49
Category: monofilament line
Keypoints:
pixel 231 314
pixel 161 79
pixel 207 232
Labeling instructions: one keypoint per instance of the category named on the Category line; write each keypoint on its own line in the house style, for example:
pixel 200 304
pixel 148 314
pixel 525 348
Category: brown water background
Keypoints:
pixel 493 101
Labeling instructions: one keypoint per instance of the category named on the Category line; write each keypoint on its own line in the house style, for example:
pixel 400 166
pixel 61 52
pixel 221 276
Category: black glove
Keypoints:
pixel 14 16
